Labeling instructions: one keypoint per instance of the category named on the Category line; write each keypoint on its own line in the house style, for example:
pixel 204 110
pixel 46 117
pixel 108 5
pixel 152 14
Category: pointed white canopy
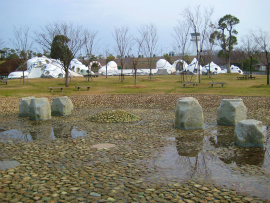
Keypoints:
pixel 111 66
pixel 214 68
pixel 193 66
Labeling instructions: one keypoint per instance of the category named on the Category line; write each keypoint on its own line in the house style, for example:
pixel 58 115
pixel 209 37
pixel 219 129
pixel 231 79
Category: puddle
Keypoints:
pixel 211 155
pixel 44 133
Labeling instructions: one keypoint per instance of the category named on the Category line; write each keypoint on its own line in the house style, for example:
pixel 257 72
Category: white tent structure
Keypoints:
pixel 193 67
pixel 53 70
pixel 35 67
pixel 179 65
pixel 17 74
pixel 45 67
pixel 234 69
pixel 111 66
pixel 163 64
pixel 214 68
pixel 78 67
pixel 91 64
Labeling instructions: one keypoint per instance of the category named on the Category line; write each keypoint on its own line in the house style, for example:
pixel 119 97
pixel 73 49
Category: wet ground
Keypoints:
pixel 152 160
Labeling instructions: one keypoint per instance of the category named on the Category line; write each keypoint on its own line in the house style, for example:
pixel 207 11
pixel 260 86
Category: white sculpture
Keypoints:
pixel 188 114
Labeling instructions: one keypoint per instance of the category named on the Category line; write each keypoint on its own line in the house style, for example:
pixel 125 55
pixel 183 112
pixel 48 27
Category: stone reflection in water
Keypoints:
pixel 189 148
pixel 14 135
pixel 224 137
pixel 43 133
pixel 62 131
pixel 230 153
pixel 189 145
pixel 254 156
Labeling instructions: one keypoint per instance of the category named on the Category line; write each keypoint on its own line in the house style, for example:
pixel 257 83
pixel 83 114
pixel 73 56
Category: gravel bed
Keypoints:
pixel 59 164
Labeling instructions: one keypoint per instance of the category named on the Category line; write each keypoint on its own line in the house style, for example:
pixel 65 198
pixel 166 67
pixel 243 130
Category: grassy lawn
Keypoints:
pixel 162 84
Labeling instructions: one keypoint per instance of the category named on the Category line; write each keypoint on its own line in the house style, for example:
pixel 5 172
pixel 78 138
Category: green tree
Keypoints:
pixel 11 53
pixel 167 58
pixel 110 58
pixel 186 59
pixel 61 51
pixel 226 36
pixel 73 38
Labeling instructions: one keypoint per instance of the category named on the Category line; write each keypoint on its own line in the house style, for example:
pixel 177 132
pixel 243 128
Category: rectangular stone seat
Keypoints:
pixel 79 87
pixel 4 80
pixel 61 88
pixel 212 83
pixel 189 83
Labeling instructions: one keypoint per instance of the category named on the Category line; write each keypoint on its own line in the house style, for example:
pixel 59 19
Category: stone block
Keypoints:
pixel 231 111
pixel 188 114
pixel 61 106
pixel 39 109
pixel 24 106
pixel 249 133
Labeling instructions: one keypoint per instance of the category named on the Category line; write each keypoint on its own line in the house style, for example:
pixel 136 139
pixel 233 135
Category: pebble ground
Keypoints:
pixel 68 169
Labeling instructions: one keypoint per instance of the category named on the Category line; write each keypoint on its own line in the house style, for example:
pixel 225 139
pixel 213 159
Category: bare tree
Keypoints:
pixel 250 49
pixel 135 59
pixel 2 43
pixel 46 35
pixel 91 40
pixel 123 44
pixel 2 52
pixel 262 38
pixel 209 48
pixel 74 34
pixel 181 37
pixel 200 23
pixel 22 42
pixel 149 33
pixel 106 53
pixel 90 46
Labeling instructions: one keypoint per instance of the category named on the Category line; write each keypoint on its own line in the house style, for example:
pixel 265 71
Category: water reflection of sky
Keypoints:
pixel 47 133
pixel 211 155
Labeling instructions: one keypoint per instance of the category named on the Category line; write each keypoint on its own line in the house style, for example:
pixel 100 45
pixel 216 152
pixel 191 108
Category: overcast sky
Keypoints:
pixel 103 15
